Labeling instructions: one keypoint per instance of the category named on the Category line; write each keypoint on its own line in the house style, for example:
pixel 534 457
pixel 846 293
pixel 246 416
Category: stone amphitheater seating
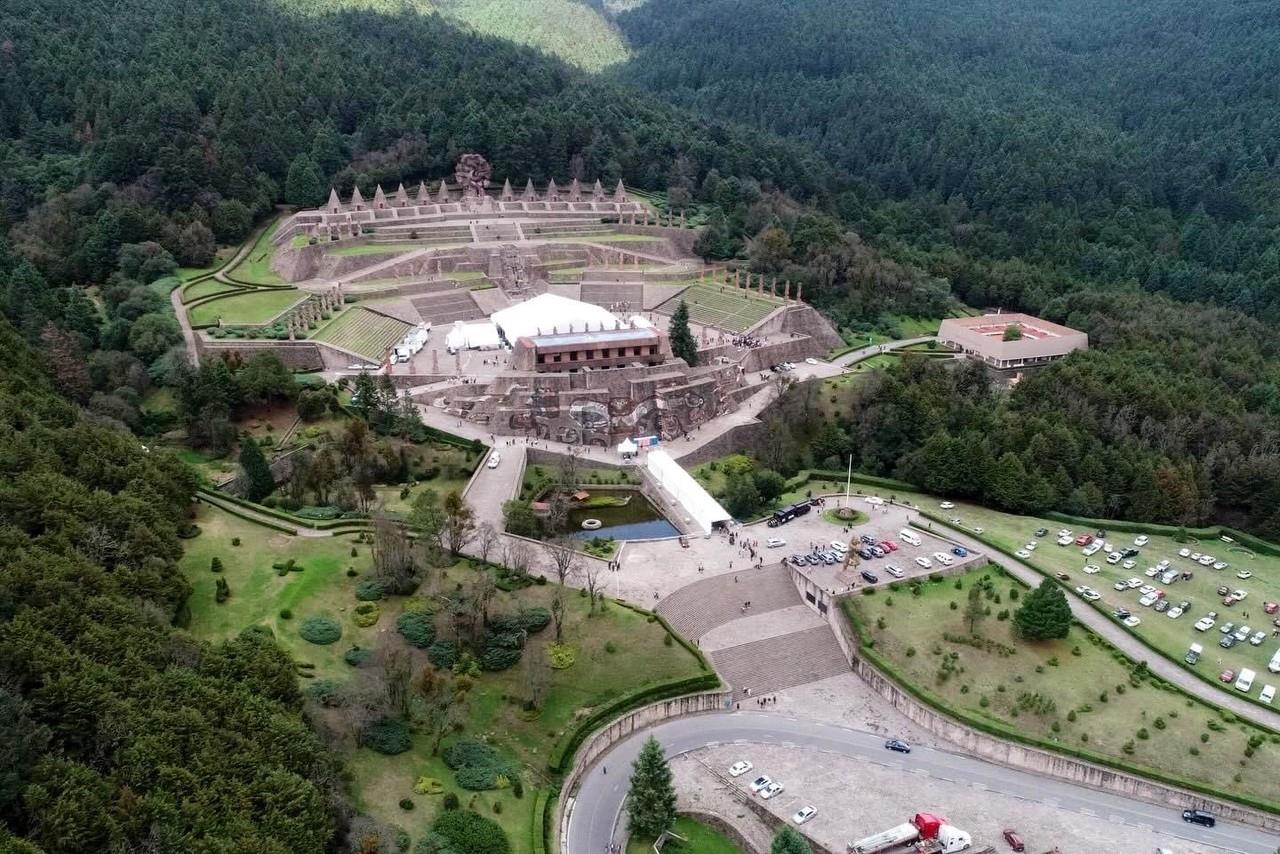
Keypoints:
pixel 702 606
pixel 435 235
pixel 497 230
pixel 772 664
pixel 733 309
pixel 359 330
pixel 444 308
pixel 608 293
pixel 567 229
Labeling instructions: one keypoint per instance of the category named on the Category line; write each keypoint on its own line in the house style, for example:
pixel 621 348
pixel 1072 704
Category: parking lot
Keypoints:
pixel 855 798
pixel 885 524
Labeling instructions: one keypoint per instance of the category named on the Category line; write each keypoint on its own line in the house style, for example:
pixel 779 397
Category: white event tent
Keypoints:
pixel 551 314
pixel 703 510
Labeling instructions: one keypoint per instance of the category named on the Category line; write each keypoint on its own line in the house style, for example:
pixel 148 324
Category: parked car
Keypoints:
pixel 1091 550
pixel 1041 532
pixel 869 576
pixel 890 545
pixel 1120 613
pixel 804 814
pixel 1268 694
pixel 1113 558
pixel 494 460
pixel 923 562
pixel 1134 583
pixel 775 542
pixel 1064 541
pixel 1257 638
pixel 1174 613
pixel 947 505
pixel 1227 628
pixel 959 551
pixel 1227 641
pixel 1015 841
pixel 1119 585
pixel 1131 621
pixel 894 571
pixel 1227 676
pixel 1244 574
pixel 1270 607
pixel 1092 569
pixel 737 769
pixel 1148 600
pixel 1162 606
pixel 1031 546
pixel 1203 624
pixel 1084 539
pixel 1023 553
pixel 942 558
pixel 772 790
pixel 1184 552
pixel 760 783
pixel 897 745
pixel 1147 589
pixel 1200 817
pixel 1062 576
pixel 1141 540
pixel 1241 633
pixel 1129 564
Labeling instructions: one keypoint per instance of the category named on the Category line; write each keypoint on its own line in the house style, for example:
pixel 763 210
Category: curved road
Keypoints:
pixel 595 815
pixel 854 356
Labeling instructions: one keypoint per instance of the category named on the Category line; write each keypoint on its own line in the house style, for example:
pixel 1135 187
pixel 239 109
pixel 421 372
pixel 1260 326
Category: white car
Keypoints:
pixel 1064 541
pixel 804 814
pixel 1244 574
pixel 923 562
pixel 979 530
pixel 1169 576
pixel 1257 639
pixel 874 500
pixel 947 505
pixel 1220 564
pixel 772 790
pixel 1023 553
pixel 1088 593
pixel 775 542
pixel 1091 549
pixel 1184 552
pixel 1152 571
pixel 760 783
pixel 1129 564
pixel 1134 583
pixel 737 769
pixel 811 361
pixel 1113 558
pixel 1204 624
pixel 1120 585
pixel 1132 621
pixel 894 571
pixel 1240 594
pixel 1173 613
pixel 494 459
pixel 1031 546
pixel 1164 564
pixel 1146 590
pixel 1206 560
pixel 1148 600
pixel 1064 533
pixel 839 546
pixel 1141 540
pixel 942 558
pixel 1092 569
pixel 1268 694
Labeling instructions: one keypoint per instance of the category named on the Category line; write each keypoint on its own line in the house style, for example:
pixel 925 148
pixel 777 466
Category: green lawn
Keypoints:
pixel 495 713
pixel 252 307
pixel 221 257
pixel 1054 690
pixel 700 839
pixel 377 249
pixel 256 267
pixel 362 331
pixel 206 288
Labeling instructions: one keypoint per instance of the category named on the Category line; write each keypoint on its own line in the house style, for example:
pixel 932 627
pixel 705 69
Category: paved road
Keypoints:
pixel 1124 640
pixel 595 819
pixel 854 356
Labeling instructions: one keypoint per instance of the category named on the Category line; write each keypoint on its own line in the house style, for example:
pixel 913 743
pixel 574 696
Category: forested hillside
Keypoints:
pixel 119 732
pixel 1013 146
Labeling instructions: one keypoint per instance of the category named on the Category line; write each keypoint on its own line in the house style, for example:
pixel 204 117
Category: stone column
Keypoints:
pixel 786 290
pixel 799 288
pixel 737 278
pixel 682 217
pixel 773 287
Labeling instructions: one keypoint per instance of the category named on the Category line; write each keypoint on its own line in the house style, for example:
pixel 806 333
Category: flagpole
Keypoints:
pixel 848 478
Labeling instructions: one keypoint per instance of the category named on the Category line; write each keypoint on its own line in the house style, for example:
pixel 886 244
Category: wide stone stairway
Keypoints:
pixel 777 643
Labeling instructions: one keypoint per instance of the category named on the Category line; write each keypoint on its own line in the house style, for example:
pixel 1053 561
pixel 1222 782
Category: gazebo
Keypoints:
pixel 628 448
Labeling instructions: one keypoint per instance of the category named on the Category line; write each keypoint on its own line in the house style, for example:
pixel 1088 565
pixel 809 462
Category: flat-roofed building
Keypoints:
pixel 574 351
pixel 1010 341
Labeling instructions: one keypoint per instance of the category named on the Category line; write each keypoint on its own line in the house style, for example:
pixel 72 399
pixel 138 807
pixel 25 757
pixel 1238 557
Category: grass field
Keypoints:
pixel 253 307
pixel 723 306
pixel 700 839
pixel 602 644
pixel 256 267
pixel 206 288
pixel 377 249
pixel 220 257
pixel 1055 690
pixel 362 331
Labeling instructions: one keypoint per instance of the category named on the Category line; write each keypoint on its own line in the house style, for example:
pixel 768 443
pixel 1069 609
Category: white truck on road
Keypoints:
pixel 933 833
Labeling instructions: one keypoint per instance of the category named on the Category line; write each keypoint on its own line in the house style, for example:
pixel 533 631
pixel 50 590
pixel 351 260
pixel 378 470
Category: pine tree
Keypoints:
pixel 651 805
pixel 1044 613
pixel 257 472
pixel 303 185
pixel 682 344
pixel 789 841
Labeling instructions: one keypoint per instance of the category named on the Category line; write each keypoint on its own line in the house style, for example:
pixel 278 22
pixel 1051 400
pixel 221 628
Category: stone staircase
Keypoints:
pixel 702 606
pixel 773 664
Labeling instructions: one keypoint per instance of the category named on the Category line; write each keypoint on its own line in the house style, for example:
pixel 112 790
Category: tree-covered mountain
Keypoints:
pixel 1086 140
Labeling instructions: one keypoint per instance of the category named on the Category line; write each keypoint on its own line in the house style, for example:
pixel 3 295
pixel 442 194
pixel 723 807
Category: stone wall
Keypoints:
pixel 1037 761
pixel 601 740
pixel 743 439
pixel 681 240
pixel 296 355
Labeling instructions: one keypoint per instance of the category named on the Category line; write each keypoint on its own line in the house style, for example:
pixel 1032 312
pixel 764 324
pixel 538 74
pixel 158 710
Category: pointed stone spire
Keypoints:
pixel 424 195
pixel 379 199
pixel 357 200
pixel 443 197
pixel 402 196
pixel 553 192
pixel 333 205
pixel 508 195
pixel 597 192
pixel 620 193
pixel 575 191
pixel 529 194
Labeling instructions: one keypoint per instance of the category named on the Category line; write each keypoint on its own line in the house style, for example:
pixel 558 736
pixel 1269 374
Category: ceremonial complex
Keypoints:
pixel 552 303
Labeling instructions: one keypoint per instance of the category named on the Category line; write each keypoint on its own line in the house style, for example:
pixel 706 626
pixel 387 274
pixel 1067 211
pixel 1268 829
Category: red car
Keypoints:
pixel 1271 607
pixel 1084 539
pixel 1015 841
pixel 891 546
pixel 1227 676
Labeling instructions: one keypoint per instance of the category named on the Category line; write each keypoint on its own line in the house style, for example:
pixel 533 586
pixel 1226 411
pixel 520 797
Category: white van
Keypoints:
pixel 1194 653
pixel 1245 682
pixel 1274 664
pixel 909 537
pixel 1268 694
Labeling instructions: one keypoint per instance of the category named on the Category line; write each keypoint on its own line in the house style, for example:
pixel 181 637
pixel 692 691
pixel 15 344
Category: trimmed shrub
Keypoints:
pixel 388 736
pixel 366 614
pixel 428 786
pixel 222 591
pixel 450 801
pixel 478 766
pixel 499 658
pixel 326 692
pixel 235 541
pixel 356 656
pixel 563 656
pixel 286 614
pixel 320 629
pixel 370 590
pixel 443 654
pixel 406 804
pixel 417 629
pixel 466 832
pixel 215 565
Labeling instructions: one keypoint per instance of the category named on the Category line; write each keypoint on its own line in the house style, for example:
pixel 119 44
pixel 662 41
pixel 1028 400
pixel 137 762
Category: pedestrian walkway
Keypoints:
pixel 704 605
pixel 776 663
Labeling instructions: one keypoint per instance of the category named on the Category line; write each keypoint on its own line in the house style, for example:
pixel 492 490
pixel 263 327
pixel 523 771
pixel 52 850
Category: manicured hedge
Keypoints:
pixel 443 654
pixel 389 736
pixel 417 629
pixel 331 525
pixel 478 766
pixel 320 629
pixel 998 730
pixel 562 753
pixel 231 508
pixel 467 832
pixel 806 475
pixel 541 809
